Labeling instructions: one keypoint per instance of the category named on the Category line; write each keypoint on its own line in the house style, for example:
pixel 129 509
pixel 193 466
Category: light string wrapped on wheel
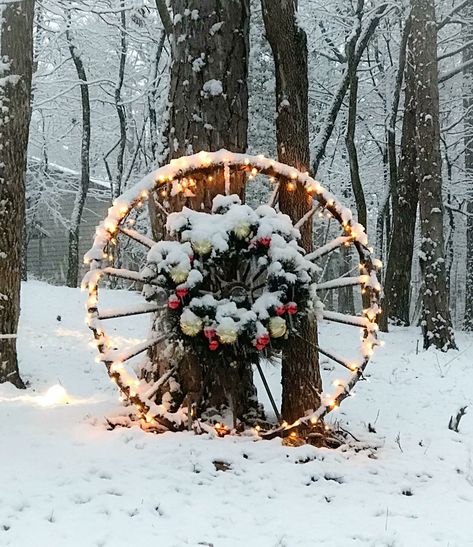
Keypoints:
pixel 179 176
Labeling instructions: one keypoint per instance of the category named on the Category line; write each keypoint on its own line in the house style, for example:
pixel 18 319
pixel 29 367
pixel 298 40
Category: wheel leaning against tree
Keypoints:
pixel 215 303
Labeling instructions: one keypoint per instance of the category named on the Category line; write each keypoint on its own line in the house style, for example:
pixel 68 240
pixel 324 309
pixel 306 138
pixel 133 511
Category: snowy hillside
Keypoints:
pixel 68 481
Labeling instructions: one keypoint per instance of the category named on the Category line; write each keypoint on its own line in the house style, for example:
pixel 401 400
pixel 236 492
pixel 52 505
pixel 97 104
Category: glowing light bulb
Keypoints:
pixel 55 395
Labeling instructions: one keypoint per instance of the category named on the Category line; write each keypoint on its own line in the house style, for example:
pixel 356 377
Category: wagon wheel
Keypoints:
pixel 177 177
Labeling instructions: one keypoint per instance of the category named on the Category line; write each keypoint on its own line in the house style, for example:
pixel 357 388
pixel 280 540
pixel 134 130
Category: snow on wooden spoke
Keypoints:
pixel 181 176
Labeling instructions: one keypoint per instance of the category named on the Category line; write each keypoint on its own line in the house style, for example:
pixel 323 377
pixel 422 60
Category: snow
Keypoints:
pixel 215 28
pixel 212 88
pixel 69 481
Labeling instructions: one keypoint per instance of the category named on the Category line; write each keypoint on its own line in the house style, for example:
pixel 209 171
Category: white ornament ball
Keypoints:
pixel 242 231
pixel 191 325
pixel 202 247
pixel 277 327
pixel 178 275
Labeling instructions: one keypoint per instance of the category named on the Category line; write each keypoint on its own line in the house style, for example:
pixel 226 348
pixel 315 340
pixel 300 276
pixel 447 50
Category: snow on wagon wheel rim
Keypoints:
pixel 176 175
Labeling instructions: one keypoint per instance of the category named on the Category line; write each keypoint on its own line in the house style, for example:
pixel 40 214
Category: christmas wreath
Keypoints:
pixel 231 281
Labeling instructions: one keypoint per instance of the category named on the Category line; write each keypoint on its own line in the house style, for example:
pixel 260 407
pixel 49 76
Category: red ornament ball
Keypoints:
pixel 182 291
pixel 291 308
pixel 264 241
pixel 209 332
pixel 173 302
pixel 213 345
pixel 280 310
pixel 262 341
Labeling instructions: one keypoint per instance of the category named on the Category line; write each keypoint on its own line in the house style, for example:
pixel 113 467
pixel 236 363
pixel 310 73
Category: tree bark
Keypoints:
pixel 81 195
pixel 119 106
pixel 208 100
pixel 405 197
pixel 468 143
pixel 16 44
pixel 301 381
pixel 436 320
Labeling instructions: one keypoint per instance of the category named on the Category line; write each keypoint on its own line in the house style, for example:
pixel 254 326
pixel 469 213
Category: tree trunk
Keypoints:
pixel 301 381
pixel 119 106
pixel 208 100
pixel 468 142
pixel 405 196
pixel 352 66
pixel 436 321
pixel 81 195
pixel 15 92
pixel 153 98
pixel 346 301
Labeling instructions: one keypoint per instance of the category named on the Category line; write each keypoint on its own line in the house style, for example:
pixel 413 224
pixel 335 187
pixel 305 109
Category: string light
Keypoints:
pixel 190 164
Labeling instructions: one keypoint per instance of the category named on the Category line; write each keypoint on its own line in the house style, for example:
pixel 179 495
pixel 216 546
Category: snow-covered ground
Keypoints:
pixel 68 481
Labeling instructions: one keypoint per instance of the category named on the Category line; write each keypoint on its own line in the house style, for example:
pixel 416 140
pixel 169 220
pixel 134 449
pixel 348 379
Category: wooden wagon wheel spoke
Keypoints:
pixel 126 312
pixel 137 236
pixel 345 363
pixel 329 247
pixel 121 356
pixel 340 282
pixel 352 320
pixel 123 273
pixel 268 392
pixel 337 359
pixel 308 216
pixel 151 392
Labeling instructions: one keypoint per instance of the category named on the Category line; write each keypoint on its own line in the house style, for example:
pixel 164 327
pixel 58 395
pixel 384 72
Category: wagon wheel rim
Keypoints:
pixel 352 234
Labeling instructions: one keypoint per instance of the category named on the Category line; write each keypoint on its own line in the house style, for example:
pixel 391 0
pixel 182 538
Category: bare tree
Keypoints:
pixel 436 321
pixel 468 143
pixel 16 45
pixel 79 202
pixel 404 188
pixel 359 38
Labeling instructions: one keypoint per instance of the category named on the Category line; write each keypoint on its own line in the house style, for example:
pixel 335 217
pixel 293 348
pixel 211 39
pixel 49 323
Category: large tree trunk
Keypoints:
pixel 405 196
pixel 468 141
pixel 15 92
pixel 81 195
pixel 436 321
pixel 208 100
pixel 301 381
pixel 401 185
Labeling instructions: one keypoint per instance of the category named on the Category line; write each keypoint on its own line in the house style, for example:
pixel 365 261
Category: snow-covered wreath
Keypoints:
pixel 234 280
pixel 229 281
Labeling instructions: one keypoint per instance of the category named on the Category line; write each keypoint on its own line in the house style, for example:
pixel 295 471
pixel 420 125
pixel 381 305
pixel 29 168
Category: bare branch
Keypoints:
pixel 448 18
pixel 164 15
pixel 451 73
